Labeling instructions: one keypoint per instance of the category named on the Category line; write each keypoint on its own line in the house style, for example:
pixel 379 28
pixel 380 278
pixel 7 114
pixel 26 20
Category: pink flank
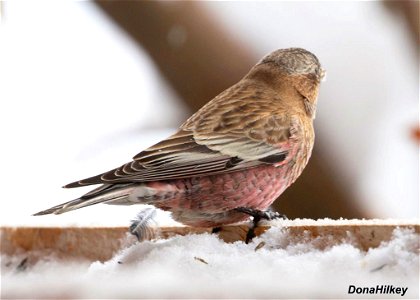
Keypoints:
pixel 209 201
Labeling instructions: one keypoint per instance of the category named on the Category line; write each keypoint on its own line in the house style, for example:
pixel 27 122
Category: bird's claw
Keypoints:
pixel 260 214
pixel 257 216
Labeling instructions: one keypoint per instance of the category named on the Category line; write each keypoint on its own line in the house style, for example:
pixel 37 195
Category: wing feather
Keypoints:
pixel 207 143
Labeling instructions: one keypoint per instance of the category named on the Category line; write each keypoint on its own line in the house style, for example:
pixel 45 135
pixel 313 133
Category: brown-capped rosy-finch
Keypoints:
pixel 232 158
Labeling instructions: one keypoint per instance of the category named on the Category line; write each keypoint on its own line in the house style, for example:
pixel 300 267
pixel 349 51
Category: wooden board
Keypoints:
pixel 101 243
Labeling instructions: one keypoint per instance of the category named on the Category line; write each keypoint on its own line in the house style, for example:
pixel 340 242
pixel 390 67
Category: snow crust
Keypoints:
pixel 203 266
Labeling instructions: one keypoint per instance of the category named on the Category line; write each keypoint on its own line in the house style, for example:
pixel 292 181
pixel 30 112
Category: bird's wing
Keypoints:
pixel 188 153
pixel 238 129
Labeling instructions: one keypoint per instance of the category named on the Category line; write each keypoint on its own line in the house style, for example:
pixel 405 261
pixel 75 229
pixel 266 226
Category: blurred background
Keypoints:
pixel 87 85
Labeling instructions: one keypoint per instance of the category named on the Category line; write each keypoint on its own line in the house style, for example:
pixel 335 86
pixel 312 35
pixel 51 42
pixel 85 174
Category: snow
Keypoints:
pixel 203 266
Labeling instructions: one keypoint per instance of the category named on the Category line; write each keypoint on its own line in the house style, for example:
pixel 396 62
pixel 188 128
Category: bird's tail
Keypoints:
pixel 107 193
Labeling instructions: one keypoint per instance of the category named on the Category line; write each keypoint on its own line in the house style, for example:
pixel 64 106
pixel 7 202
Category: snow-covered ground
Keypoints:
pixel 203 266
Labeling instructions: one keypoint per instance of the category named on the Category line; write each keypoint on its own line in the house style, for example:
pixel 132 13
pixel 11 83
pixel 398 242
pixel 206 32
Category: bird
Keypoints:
pixel 232 158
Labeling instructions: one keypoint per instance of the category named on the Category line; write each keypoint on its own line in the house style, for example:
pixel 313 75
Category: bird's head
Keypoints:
pixel 303 70
pixel 296 61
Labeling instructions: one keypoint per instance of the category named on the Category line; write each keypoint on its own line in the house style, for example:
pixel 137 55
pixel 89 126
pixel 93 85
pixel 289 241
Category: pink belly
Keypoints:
pixel 209 201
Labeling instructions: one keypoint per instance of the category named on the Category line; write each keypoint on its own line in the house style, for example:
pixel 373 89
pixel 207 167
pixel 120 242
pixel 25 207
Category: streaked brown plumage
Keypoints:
pixel 262 124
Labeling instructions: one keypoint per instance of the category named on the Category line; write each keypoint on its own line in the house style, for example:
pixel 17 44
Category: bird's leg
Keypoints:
pixel 257 215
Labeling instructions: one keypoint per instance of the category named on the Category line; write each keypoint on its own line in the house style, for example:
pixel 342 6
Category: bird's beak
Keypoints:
pixel 323 75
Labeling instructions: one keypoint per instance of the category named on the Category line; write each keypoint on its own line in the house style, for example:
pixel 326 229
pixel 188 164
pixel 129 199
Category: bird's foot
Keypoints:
pixel 260 214
pixel 257 216
pixel 216 229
